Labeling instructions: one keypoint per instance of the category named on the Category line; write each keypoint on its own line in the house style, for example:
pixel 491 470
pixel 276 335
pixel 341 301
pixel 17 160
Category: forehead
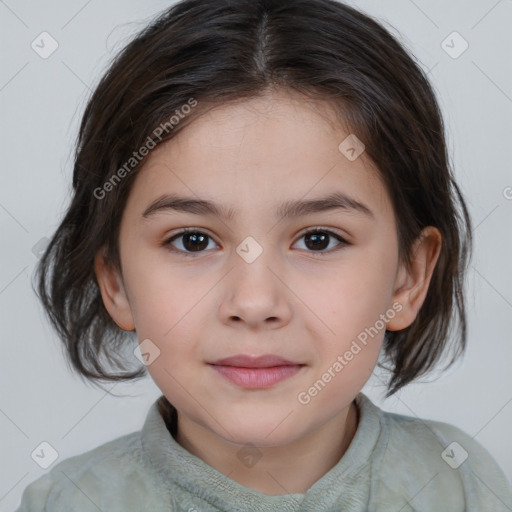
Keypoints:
pixel 251 155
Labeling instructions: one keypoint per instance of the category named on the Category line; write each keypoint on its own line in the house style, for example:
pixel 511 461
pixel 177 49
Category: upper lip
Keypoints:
pixel 246 361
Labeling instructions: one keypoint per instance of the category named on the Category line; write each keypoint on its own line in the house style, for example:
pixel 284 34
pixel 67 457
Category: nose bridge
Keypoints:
pixel 252 261
pixel 254 293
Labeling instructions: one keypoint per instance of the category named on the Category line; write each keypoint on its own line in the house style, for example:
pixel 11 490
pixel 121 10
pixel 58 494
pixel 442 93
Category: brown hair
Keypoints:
pixel 222 51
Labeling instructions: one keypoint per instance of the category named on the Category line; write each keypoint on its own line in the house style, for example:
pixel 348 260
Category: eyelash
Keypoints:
pixel 168 242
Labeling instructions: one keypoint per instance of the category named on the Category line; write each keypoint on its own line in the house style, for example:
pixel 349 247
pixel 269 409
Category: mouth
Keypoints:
pixel 256 372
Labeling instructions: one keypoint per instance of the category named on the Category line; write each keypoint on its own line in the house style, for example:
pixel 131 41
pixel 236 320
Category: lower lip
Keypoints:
pixel 255 378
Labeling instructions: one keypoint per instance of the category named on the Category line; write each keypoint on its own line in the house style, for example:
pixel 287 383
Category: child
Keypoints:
pixel 263 200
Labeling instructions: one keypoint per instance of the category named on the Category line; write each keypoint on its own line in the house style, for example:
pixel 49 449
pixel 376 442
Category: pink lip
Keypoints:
pixel 245 361
pixel 255 372
pixel 257 377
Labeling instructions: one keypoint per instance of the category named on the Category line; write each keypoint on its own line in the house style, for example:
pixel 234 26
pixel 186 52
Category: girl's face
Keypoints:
pixel 251 281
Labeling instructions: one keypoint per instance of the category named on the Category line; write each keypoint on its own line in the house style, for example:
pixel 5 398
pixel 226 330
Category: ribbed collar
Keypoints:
pixel 197 478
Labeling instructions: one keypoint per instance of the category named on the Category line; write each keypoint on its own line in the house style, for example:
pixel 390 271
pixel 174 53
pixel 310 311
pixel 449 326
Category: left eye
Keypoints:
pixel 318 239
pixel 194 241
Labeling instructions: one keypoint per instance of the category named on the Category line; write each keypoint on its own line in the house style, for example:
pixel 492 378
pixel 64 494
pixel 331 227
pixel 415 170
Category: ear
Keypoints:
pixel 411 284
pixel 113 293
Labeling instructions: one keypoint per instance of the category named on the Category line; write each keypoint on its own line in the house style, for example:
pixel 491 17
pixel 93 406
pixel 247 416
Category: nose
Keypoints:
pixel 255 295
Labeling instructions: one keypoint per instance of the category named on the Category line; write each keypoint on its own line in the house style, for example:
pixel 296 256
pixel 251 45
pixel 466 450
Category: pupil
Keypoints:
pixel 194 237
pixel 318 240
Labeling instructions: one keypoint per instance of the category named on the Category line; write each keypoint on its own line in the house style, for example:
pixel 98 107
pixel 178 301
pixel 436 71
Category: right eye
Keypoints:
pixel 191 240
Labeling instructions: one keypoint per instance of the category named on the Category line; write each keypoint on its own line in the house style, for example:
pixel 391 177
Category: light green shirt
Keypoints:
pixel 394 463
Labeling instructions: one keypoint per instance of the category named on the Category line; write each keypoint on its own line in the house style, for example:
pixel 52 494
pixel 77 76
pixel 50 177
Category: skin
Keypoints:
pixel 291 301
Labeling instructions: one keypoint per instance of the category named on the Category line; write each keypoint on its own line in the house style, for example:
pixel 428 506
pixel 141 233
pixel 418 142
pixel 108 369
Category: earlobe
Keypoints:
pixel 113 293
pixel 412 283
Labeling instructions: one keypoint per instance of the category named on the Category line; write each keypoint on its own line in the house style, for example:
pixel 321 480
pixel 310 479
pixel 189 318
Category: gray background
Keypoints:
pixel 41 101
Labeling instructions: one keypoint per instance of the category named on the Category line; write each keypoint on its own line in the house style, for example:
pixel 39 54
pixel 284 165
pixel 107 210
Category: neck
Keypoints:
pixel 288 469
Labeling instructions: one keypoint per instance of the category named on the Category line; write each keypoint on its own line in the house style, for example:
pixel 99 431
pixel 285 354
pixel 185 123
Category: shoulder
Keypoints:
pixel 112 476
pixel 433 465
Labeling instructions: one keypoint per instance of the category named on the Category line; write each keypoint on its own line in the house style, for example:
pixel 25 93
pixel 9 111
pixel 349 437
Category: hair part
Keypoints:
pixel 224 51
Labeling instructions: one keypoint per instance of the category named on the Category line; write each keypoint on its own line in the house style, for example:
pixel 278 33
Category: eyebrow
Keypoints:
pixel 288 209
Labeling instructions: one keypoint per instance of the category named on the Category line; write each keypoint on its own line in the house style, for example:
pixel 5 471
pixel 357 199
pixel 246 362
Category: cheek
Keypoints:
pixel 353 298
pixel 349 350
pixel 167 314
pixel 162 298
pixel 347 319
pixel 168 321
